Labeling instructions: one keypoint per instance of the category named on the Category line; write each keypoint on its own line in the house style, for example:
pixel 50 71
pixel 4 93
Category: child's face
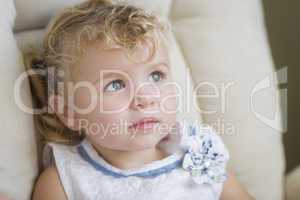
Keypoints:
pixel 132 91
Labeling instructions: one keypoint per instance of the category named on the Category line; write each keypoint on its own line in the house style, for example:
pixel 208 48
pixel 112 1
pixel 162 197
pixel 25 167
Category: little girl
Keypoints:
pixel 106 106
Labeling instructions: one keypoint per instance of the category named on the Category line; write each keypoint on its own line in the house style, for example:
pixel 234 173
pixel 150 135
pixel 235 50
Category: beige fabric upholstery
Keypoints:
pixel 18 165
pixel 225 44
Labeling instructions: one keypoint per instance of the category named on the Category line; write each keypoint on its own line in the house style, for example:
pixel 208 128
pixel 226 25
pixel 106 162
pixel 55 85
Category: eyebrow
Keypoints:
pixel 107 75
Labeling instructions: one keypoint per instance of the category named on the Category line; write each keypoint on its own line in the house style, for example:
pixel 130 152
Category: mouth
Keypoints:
pixel 145 123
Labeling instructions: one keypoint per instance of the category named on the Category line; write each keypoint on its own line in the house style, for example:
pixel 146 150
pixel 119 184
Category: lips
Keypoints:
pixel 145 123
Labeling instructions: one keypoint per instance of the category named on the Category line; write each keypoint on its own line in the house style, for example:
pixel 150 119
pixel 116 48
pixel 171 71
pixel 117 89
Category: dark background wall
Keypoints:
pixel 283 24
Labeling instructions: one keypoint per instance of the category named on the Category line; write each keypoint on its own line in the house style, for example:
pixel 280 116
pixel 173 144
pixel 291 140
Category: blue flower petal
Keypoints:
pixel 202 160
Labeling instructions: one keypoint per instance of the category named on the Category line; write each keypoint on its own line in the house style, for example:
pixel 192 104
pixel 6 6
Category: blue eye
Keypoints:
pixel 114 86
pixel 157 76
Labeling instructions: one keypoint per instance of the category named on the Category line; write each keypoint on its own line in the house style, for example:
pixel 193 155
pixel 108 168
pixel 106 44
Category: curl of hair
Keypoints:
pixel 46 122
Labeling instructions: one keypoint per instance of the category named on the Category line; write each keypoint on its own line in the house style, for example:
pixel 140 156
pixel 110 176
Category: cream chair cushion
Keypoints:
pixel 225 45
pixel 18 165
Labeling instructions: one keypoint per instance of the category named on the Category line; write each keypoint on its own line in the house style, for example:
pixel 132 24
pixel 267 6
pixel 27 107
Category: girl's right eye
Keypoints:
pixel 114 86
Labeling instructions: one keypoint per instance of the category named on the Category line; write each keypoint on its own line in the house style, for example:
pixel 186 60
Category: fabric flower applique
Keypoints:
pixel 205 157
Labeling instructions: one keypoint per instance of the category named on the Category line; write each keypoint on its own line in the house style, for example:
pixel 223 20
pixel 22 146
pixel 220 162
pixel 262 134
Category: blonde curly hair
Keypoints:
pixel 75 28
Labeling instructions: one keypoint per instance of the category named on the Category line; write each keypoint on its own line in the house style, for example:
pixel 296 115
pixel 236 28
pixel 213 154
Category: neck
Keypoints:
pixel 130 159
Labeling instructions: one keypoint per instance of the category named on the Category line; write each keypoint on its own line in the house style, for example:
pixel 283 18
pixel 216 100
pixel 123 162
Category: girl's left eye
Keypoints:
pixel 157 76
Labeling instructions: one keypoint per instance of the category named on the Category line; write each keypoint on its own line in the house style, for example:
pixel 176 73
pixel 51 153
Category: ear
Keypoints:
pixel 58 105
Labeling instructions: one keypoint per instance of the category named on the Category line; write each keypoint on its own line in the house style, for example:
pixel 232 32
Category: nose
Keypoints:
pixel 145 97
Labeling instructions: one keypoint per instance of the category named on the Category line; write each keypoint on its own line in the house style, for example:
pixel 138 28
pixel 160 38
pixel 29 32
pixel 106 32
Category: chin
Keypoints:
pixel 142 144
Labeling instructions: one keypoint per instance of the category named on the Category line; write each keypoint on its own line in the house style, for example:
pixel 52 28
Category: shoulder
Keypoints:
pixel 233 189
pixel 49 183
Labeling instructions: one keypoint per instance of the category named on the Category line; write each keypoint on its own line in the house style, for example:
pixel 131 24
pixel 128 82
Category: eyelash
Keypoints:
pixel 162 74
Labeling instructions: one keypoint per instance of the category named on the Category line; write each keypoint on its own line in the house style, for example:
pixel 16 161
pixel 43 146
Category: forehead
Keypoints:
pixel 100 56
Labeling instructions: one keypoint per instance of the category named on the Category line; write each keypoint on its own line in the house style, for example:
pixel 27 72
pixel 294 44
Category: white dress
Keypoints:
pixel 194 169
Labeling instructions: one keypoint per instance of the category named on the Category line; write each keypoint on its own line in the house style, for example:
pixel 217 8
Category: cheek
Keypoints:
pixel 104 119
pixel 110 123
pixel 81 100
pixel 114 103
pixel 105 128
pixel 169 99
pixel 86 100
